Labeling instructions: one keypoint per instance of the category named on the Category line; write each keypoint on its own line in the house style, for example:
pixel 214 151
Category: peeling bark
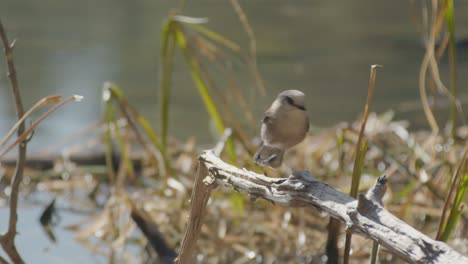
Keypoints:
pixel 365 216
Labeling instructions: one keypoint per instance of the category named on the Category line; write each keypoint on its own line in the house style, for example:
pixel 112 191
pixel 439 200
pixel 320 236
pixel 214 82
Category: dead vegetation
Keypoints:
pixel 417 164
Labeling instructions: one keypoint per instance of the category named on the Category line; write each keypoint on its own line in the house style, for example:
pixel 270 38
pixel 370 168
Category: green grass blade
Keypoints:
pixel 203 89
pixel 130 112
pixel 405 192
pixel 357 171
pixel 146 126
pixel 167 57
pixel 142 121
pixel 237 203
pixel 125 159
pixel 204 31
pixel 456 210
pixel 109 119
pixel 457 189
pixel 375 252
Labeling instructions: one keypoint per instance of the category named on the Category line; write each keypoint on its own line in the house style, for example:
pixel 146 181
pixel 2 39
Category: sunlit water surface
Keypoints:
pixel 324 48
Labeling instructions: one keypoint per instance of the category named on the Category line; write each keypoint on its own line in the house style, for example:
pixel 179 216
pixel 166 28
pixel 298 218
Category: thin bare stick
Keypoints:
pixel 24 135
pixel 424 100
pixel 8 239
pixel 252 63
pixel 430 63
pixel 44 101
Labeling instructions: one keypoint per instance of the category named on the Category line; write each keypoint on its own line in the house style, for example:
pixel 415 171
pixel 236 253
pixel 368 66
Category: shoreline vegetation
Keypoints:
pixel 151 191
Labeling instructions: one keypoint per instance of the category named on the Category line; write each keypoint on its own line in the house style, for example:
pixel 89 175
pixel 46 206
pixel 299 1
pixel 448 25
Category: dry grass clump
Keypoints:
pixel 419 166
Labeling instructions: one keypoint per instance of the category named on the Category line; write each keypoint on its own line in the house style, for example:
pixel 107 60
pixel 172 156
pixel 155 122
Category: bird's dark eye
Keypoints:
pixel 289 100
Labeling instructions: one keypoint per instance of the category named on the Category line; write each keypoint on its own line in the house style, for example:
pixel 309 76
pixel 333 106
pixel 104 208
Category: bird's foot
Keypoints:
pixel 264 162
pixel 269 159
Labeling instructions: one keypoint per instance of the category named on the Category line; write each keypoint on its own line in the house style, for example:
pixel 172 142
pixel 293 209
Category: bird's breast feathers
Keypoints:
pixel 284 129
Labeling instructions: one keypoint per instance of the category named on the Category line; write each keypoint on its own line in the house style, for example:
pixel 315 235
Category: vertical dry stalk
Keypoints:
pixel 200 194
pixel 370 93
pixel 8 239
pixel 361 140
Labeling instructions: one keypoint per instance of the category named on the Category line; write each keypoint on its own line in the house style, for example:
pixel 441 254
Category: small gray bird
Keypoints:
pixel 284 125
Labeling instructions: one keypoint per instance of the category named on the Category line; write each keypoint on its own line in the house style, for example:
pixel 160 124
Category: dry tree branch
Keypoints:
pixel 365 216
pixel 200 194
pixel 7 240
pixel 3 261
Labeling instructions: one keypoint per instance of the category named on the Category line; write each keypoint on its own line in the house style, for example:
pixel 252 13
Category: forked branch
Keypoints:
pixel 8 239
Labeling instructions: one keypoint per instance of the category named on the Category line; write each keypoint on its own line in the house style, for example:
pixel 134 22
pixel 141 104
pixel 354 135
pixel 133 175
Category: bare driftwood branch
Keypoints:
pixel 365 216
pixel 3 261
pixel 200 194
pixel 8 239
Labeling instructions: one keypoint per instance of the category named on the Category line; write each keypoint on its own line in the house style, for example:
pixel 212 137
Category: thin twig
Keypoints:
pixel 3 261
pixel 44 101
pixel 23 136
pixel 430 63
pixel 252 62
pixel 230 115
pixel 8 239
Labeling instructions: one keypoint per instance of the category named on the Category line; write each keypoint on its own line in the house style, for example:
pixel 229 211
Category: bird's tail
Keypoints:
pixel 269 156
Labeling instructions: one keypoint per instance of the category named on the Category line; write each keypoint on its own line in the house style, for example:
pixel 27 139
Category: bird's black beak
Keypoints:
pixel 301 107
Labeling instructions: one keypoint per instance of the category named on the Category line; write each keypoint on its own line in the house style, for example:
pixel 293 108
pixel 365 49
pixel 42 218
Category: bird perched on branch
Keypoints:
pixel 284 125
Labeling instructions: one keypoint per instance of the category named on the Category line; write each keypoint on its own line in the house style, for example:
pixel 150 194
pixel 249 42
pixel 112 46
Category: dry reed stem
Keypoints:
pixel 361 140
pixel 252 44
pixel 23 136
pixel 44 101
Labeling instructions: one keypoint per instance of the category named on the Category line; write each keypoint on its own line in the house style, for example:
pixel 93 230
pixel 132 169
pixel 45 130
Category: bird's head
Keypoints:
pixel 292 99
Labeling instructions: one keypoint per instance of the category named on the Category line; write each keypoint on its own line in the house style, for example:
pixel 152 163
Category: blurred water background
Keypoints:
pixel 324 48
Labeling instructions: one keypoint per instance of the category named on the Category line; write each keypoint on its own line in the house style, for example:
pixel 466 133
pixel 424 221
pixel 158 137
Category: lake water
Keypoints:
pixel 320 47
pixel 35 247
pixel 324 48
